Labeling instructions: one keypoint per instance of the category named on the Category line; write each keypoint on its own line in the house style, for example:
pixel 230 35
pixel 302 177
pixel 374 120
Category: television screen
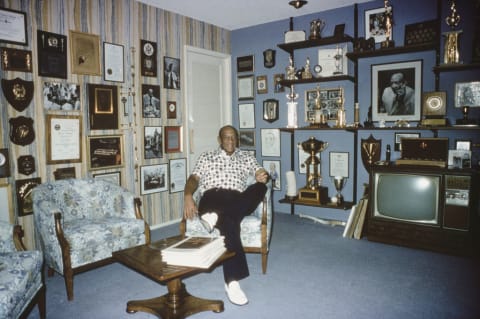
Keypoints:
pixel 405 197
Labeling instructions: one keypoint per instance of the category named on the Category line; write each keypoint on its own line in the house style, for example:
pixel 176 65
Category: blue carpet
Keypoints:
pixel 313 272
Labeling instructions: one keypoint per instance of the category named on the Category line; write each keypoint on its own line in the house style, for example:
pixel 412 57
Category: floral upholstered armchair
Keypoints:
pixel 21 276
pixel 80 222
pixel 255 229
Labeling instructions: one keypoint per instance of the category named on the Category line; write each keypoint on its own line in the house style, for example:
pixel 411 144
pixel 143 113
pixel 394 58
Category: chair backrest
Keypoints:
pixel 6 238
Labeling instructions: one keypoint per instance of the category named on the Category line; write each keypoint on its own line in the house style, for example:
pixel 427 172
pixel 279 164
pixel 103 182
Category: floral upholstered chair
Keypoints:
pixel 255 229
pixel 21 275
pixel 80 222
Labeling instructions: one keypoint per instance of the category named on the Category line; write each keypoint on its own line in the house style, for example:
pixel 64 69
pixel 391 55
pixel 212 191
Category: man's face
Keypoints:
pixel 398 84
pixel 228 140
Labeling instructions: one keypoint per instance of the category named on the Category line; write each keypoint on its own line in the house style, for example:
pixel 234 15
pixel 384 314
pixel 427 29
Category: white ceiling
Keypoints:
pixel 237 14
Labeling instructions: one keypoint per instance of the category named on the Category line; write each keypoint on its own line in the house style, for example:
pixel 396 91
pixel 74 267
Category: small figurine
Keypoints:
pixel 290 70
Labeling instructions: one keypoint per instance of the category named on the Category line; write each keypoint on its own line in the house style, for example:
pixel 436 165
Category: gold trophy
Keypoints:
pixel 388 22
pixel 451 55
pixel 313 192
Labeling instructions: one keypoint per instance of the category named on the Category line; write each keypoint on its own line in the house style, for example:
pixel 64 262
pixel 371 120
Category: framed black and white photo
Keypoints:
pixel 330 103
pixel 6 208
pixel 113 55
pixel 104 151
pixel 103 106
pixel 173 139
pixel 112 177
pixel 153 142
pixel 273 169
pixel 467 94
pixel 339 164
pixel 270 141
pixel 153 178
pixel 270 110
pixel 262 86
pixel 375 24
pixel 52 54
pixel 13 26
pixel 61 96
pixel 246 115
pixel 178 174
pixel 171 73
pixel 397 91
pixel 245 87
pixel 24 188
pixel 398 139
pixel 245 63
pixel 246 138
pixel 151 101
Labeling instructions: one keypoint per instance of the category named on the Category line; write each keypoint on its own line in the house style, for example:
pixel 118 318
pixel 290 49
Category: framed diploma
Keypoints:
pixel 173 139
pixel 246 115
pixel 245 87
pixel 113 62
pixel 339 164
pixel 13 27
pixel 178 174
pixel 63 139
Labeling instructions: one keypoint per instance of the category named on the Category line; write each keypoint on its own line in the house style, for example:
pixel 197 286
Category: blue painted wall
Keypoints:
pixel 254 40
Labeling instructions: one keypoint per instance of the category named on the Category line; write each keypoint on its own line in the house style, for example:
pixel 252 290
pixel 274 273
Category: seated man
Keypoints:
pixel 221 176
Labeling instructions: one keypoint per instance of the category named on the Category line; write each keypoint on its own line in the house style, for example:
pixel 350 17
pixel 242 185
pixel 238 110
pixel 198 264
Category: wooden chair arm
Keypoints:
pixel 17 238
pixel 138 214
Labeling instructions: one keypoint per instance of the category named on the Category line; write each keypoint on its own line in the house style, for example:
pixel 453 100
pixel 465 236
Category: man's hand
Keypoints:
pixel 189 207
pixel 262 176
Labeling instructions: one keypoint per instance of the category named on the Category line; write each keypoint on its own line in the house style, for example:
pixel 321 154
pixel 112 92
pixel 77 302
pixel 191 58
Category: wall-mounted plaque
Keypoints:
pixel 18 92
pixel 24 189
pixel 26 164
pixel 16 60
pixel 148 58
pixel 103 106
pixel 21 130
pixel 52 54
pixel 4 163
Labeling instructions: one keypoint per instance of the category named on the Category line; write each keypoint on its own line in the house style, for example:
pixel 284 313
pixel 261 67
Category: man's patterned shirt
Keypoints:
pixel 216 169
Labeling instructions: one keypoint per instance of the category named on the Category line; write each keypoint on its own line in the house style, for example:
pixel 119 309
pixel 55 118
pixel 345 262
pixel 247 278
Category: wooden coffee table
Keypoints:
pixel 177 303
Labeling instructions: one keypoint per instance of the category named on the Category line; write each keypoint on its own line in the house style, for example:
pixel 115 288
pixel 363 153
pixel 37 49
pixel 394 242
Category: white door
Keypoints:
pixel 208 99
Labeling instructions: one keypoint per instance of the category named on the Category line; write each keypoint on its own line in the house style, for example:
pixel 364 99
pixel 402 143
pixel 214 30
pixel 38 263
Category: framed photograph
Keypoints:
pixel 327 59
pixel 277 86
pixel 4 163
pixel 246 138
pixel 245 63
pixel 151 101
pixel 375 24
pixel 6 207
pixel 113 56
pixel 61 96
pixel 330 103
pixel 13 26
pixel 148 58
pixel 104 151
pixel 245 87
pixel 173 139
pixel 459 159
pixel 467 94
pixel 398 139
pixel 103 106
pixel 113 177
pixel 425 32
pixel 52 54
pixel 246 115
pixel 178 174
pixel 16 60
pixel 397 91
pixel 463 145
pixel 339 164
pixel 153 142
pixel 24 189
pixel 270 141
pixel 64 139
pixel 85 53
pixel 64 173
pixel 270 110
pixel 262 86
pixel 153 179
pixel 171 74
pixel 273 169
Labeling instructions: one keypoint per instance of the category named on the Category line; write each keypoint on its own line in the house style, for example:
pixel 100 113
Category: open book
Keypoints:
pixel 199 252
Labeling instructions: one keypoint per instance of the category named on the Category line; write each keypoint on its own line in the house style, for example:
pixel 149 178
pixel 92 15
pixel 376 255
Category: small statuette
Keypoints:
pixel 290 70
pixel 307 74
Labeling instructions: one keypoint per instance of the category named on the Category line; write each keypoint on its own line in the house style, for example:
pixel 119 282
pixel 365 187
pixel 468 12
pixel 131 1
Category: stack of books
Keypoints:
pixel 356 220
pixel 199 252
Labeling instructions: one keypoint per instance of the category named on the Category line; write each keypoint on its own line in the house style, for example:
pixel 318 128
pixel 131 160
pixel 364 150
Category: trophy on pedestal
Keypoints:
pixel 313 192
pixel 292 120
pixel 339 182
pixel 388 22
pixel 451 54
pixel 316 27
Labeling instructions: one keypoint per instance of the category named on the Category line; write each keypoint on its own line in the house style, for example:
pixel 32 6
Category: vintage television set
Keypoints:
pixel 427 207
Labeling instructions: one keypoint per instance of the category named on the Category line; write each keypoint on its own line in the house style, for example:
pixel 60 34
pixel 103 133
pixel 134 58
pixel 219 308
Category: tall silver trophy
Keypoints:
pixel 339 182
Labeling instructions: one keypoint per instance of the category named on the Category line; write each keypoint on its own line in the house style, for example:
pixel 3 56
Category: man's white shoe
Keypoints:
pixel 209 220
pixel 235 293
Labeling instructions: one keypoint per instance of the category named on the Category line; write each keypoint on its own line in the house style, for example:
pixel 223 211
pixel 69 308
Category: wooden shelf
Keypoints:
pixel 344 206
pixel 288 83
pixel 290 47
pixel 456 67
pixel 390 51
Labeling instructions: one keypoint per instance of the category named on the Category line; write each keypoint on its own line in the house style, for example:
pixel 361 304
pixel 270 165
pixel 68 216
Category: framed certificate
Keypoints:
pixel 245 87
pixel 113 62
pixel 178 174
pixel 13 27
pixel 246 115
pixel 63 139
pixel 173 139
pixel 339 164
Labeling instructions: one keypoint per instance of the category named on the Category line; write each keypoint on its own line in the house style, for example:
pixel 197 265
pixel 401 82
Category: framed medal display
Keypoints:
pixel 148 58
pixel 434 103
pixel 171 110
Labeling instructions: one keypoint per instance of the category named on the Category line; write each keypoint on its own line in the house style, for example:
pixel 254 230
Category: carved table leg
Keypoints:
pixel 176 304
